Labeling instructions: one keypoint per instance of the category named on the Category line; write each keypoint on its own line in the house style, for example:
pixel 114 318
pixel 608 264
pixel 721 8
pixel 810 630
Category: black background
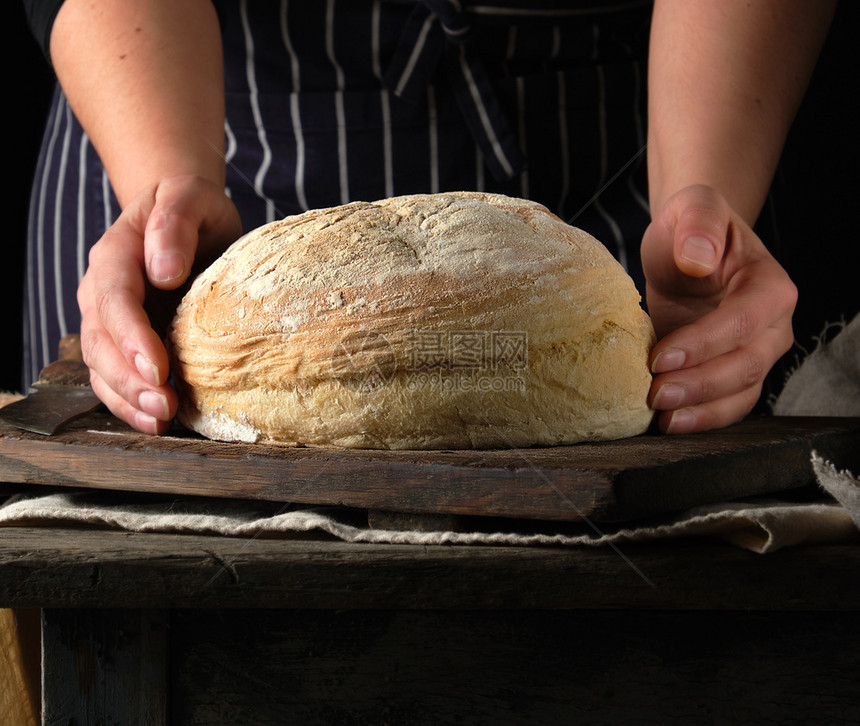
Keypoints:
pixel 32 84
pixel 810 221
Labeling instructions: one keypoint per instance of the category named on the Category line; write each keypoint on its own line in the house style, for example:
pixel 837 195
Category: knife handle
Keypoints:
pixel 69 369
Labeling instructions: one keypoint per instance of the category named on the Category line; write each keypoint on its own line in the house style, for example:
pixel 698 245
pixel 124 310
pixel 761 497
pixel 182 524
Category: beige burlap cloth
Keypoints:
pixel 758 525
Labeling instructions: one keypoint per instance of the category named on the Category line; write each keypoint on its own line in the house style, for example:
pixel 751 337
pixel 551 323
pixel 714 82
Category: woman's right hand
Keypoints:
pixel 173 228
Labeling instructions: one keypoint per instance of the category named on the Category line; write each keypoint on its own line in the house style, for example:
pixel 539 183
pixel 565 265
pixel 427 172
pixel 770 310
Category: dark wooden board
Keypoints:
pixel 75 567
pixel 607 482
pixel 420 668
pixel 516 669
pixel 110 667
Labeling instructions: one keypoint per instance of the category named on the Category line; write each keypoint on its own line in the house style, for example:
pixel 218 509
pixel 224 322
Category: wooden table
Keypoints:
pixel 188 629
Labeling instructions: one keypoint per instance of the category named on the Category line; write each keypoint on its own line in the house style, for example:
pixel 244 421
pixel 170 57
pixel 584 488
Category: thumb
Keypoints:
pixel 169 251
pixel 702 224
pixel 185 209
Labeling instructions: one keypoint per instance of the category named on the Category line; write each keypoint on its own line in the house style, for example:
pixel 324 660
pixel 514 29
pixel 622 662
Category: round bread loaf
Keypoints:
pixel 458 320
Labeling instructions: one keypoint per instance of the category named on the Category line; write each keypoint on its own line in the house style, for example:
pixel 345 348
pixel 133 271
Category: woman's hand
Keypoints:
pixel 724 82
pixel 145 257
pixel 721 306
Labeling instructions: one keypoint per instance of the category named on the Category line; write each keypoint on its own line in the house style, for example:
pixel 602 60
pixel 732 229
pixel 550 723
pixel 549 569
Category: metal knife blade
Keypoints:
pixel 61 395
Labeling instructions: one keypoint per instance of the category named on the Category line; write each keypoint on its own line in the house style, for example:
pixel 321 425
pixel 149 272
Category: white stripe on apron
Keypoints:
pixel 250 70
pixel 295 112
pixel 342 159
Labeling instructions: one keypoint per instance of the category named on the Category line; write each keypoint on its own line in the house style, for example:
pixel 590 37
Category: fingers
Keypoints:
pixel 136 393
pixel 758 301
pixel 127 394
pixel 716 415
pixel 127 361
pixel 111 296
pixel 154 242
pixel 710 373
pixel 722 307
pixel 717 392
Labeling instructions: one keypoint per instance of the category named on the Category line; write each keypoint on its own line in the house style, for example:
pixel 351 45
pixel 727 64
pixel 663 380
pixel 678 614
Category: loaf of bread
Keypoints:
pixel 458 320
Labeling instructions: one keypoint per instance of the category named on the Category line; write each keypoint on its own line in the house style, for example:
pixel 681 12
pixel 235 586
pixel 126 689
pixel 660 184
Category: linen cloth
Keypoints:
pixel 827 383
pixel 759 526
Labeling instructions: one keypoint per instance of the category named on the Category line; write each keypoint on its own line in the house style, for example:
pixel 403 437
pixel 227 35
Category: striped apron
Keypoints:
pixel 342 100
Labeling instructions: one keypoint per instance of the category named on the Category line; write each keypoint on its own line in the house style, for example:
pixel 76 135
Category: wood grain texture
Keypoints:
pixel 78 567
pixel 420 668
pixel 416 668
pixel 105 667
pixel 607 482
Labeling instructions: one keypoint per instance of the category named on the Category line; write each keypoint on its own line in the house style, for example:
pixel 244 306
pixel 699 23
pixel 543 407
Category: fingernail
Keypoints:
pixel 670 359
pixel 166 266
pixel 699 251
pixel 155 404
pixel 146 423
pixel 147 369
pixel 669 396
pixel 683 421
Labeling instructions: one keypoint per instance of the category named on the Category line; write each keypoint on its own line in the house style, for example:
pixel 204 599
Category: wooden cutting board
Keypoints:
pixel 614 481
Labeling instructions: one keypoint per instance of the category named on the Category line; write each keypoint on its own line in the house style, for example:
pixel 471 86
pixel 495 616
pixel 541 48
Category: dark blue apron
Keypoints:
pixel 339 100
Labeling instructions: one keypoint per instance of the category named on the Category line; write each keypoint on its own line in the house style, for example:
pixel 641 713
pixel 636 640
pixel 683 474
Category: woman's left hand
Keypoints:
pixel 721 307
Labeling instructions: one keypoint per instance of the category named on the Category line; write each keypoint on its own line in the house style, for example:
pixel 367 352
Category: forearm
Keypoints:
pixel 145 80
pixel 725 80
